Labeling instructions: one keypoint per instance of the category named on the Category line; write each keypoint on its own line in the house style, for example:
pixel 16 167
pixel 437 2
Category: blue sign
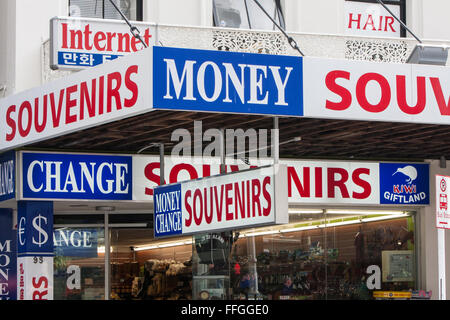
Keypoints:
pixel 404 183
pixel 167 217
pixel 84 59
pixel 8 256
pixel 76 176
pixel 35 228
pixel 7 175
pixel 250 83
pixel 70 242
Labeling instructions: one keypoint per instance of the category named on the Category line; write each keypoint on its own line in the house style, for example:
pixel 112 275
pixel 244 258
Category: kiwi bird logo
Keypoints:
pixel 408 171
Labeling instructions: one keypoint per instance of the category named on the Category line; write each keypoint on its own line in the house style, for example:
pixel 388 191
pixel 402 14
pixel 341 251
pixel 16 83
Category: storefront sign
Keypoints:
pixel 313 182
pixel 371 19
pixel 109 92
pixel 371 91
pixel 7 175
pixel 76 176
pixel 75 242
pixel 403 183
pixel 78 43
pixel 442 197
pixel 35 250
pixel 202 80
pixel 8 256
pixel 232 201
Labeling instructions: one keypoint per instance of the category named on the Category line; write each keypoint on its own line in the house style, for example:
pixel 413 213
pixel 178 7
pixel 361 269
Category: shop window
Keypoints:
pixel 103 9
pixel 369 18
pixel 246 14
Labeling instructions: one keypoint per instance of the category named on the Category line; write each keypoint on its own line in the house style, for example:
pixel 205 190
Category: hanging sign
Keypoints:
pixel 232 201
pixel 442 198
pixel 8 256
pixel 70 242
pixel 35 250
pixel 78 43
pixel 7 176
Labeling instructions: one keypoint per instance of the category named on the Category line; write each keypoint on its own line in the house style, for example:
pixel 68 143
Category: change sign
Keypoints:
pixel 237 200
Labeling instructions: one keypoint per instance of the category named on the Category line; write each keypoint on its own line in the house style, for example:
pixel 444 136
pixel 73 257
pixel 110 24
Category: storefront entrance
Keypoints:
pixel 321 254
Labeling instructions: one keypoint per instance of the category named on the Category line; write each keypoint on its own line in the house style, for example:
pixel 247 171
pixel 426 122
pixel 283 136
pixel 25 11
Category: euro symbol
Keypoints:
pixel 43 235
pixel 22 231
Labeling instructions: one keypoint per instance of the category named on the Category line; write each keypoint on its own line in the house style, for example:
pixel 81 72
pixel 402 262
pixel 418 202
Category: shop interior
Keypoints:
pixel 321 254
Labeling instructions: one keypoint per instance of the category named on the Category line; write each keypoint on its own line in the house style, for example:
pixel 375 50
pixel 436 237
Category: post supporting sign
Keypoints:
pixel 442 223
pixel 237 200
pixel 35 250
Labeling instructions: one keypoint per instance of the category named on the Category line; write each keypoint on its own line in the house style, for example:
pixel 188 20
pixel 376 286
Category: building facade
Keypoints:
pixel 346 237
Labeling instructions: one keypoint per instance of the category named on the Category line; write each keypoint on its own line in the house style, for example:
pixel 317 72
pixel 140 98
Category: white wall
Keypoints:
pixel 32 29
pixel 185 12
pixel 7 47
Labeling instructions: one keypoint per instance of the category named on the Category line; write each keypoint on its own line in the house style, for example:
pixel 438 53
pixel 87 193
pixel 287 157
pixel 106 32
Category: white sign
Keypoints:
pixel 308 182
pixel 371 91
pixel 88 98
pixel 35 278
pixel 371 19
pixel 442 197
pixel 237 200
pixel 78 43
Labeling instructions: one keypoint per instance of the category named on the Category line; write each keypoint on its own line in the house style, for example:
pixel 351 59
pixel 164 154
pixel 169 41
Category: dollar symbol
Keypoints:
pixel 43 236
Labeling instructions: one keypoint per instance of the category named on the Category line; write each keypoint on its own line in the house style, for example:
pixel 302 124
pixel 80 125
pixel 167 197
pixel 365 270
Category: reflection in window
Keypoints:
pixel 246 14
pixel 103 9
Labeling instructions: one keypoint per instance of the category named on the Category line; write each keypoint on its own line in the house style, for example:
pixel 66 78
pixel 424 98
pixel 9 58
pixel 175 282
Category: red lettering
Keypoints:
pixel 25 106
pixel 421 96
pixel 303 189
pixel 333 183
pixel 367 189
pixel 346 96
pixel 70 103
pixel 385 92
pixel 39 295
pixel 188 220
pixel 358 20
pixel 123 38
pixel 219 204
pixel 256 191
pixel 56 114
pixel 318 182
pixel 132 86
pixel 173 177
pixel 98 37
pixel 11 123
pixel 208 218
pixel 101 82
pixel 370 22
pixel 437 88
pixel 64 35
pixel 78 34
pixel 239 200
pixel 266 194
pixel 198 195
pixel 84 98
pixel 113 92
pixel 109 35
pixel 388 22
pixel 87 33
pixel 228 201
pixel 40 126
pixel 148 173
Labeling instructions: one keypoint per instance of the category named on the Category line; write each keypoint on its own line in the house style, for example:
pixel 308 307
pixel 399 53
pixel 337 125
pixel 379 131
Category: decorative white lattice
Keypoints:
pixel 377 51
pixel 255 42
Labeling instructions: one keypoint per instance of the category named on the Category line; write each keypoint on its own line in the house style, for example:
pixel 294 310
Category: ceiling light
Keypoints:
pixel 305 211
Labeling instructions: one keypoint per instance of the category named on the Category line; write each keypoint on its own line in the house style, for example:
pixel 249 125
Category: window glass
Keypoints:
pixel 104 9
pixel 79 265
pixel 246 14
